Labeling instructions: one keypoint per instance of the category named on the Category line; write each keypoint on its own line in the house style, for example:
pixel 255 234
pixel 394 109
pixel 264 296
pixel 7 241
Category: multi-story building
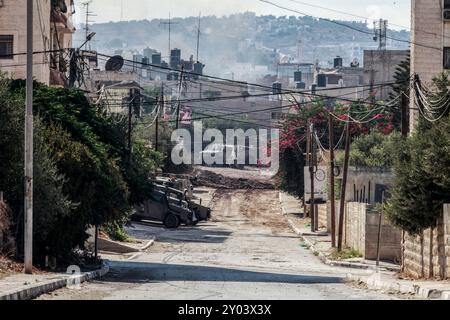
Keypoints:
pixel 380 67
pixel 430 47
pixel 53 29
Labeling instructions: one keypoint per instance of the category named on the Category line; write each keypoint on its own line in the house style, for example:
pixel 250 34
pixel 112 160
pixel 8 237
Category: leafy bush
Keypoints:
pixel 422 168
pixel 84 173
pixel 374 150
pixel 422 181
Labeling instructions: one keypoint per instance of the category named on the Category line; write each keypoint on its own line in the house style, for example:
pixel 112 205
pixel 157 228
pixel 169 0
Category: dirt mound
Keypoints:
pixel 210 179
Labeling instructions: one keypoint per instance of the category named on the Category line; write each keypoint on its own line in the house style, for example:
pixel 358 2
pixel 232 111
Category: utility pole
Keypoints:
pixel 405 115
pixel 331 194
pixel 308 153
pixel 130 120
pixel 312 174
pixel 180 88
pixel 157 132
pixel 344 187
pixel 157 118
pixel 29 129
pixel 315 160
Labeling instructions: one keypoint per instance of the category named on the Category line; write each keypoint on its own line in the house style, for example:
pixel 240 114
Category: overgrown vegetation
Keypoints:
pixel 84 173
pixel 346 253
pixel 374 150
pixel 294 139
pixel 422 170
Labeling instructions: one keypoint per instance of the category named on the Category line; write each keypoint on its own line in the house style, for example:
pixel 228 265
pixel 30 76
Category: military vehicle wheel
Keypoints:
pixel 171 221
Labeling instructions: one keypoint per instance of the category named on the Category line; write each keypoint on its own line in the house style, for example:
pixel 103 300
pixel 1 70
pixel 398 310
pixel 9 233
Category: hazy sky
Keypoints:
pixel 397 12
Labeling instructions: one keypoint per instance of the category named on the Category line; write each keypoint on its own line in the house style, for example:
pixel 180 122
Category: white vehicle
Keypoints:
pixel 230 153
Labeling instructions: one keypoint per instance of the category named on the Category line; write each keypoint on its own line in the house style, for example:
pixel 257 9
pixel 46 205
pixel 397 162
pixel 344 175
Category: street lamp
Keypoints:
pixel 88 38
pixel 73 60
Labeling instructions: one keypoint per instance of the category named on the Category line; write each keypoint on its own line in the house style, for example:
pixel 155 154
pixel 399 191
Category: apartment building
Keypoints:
pixel 430 37
pixel 380 67
pixel 53 30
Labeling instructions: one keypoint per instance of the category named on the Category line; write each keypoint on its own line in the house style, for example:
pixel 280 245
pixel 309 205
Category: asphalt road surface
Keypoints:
pixel 246 252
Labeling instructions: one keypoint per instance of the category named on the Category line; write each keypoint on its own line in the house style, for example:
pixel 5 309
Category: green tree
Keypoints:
pixel 374 150
pixel 422 168
pixel 401 77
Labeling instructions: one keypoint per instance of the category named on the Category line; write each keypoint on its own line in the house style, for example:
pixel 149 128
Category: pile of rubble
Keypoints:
pixel 210 179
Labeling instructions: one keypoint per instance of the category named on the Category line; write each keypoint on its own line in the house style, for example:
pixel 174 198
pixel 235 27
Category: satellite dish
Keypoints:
pixel 114 63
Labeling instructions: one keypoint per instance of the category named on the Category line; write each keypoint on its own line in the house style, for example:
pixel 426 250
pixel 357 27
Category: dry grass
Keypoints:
pixel 8 266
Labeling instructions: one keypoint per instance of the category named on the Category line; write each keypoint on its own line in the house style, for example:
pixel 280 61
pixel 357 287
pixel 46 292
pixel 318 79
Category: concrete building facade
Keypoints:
pixel 53 29
pixel 430 37
pixel 380 67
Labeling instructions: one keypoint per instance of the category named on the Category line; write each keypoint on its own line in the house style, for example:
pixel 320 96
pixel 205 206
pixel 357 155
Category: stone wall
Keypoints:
pixel 355 226
pixel 390 240
pixel 428 255
pixel 361 232
pixel 324 215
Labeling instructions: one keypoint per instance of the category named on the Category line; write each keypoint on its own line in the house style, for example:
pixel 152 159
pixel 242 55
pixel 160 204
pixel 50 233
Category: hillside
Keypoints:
pixel 244 38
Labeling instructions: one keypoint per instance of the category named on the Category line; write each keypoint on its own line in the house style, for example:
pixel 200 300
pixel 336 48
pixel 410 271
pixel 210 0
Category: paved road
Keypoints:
pixel 246 252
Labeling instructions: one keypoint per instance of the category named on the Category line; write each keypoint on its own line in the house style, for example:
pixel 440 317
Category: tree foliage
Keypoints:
pixel 293 135
pixel 402 75
pixel 374 150
pixel 422 169
pixel 85 174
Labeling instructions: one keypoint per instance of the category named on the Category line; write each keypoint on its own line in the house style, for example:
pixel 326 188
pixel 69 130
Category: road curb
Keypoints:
pixel 374 282
pixel 34 291
pixel 148 245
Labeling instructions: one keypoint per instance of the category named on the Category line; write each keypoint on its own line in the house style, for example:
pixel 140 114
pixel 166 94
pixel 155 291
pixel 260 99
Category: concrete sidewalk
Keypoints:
pixel 386 279
pixel 320 242
pixel 26 287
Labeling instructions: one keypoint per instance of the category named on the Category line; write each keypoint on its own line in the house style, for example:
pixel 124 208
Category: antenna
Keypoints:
pixel 380 33
pixel 198 36
pixel 169 23
pixel 89 14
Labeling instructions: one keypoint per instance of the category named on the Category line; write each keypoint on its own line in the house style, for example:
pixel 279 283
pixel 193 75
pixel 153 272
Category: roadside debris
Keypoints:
pixel 213 180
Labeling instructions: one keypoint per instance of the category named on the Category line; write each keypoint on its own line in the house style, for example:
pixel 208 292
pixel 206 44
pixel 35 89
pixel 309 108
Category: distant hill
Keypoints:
pixel 244 38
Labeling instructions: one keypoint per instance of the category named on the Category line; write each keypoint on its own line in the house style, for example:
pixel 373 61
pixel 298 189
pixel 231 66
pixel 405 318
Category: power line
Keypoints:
pixel 323 98
pixel 257 85
pixel 34 52
pixel 347 26
pixel 366 18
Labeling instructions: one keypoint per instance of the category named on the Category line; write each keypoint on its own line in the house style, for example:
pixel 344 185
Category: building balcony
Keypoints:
pixel 57 78
pixel 62 21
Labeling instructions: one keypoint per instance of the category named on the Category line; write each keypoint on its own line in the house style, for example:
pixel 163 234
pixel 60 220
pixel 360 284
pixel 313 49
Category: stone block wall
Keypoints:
pixel 427 255
pixel 361 232
pixel 390 240
pixel 324 216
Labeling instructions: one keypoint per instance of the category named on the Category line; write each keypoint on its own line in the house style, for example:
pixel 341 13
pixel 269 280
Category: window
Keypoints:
pixel 6 47
pixel 447 58
pixel 446 4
